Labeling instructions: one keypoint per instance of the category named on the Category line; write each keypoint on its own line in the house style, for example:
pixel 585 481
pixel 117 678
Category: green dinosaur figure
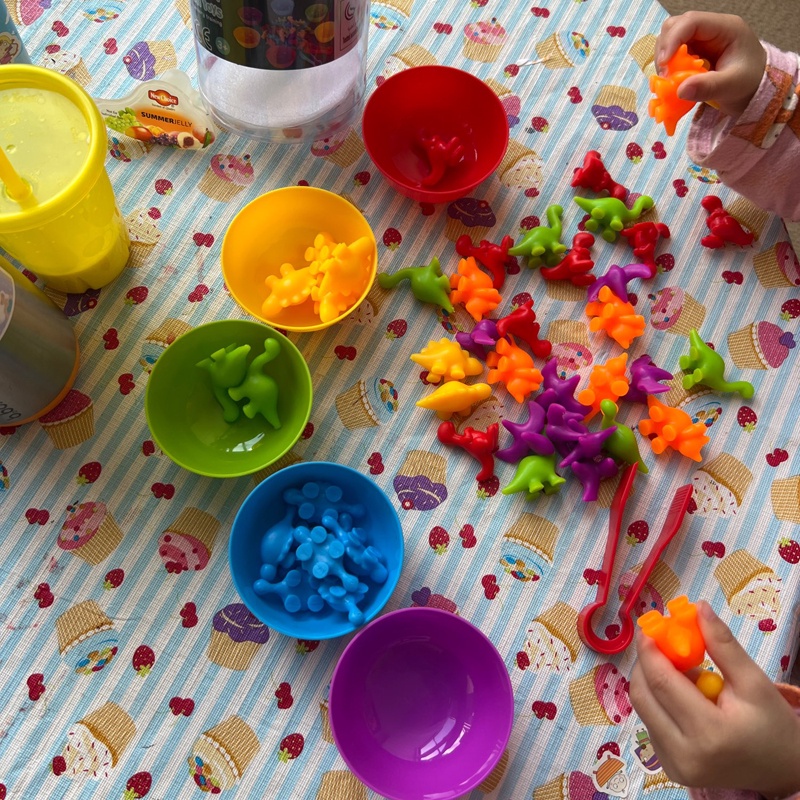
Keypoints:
pixel 622 443
pixel 427 284
pixel 260 390
pixel 534 475
pixel 611 214
pixel 707 367
pixel 227 367
pixel 542 245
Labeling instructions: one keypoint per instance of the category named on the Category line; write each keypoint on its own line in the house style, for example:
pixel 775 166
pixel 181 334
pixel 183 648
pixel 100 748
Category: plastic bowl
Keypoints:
pixel 434 100
pixel 186 420
pixel 264 506
pixel 421 705
pixel 276 228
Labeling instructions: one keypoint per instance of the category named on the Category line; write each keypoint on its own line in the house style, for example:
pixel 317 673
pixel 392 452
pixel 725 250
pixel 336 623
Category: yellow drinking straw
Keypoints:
pixel 18 189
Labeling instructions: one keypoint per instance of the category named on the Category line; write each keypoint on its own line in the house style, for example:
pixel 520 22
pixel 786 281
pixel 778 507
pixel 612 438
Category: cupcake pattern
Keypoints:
pixel 108 566
pixel 236 636
pixel 147 59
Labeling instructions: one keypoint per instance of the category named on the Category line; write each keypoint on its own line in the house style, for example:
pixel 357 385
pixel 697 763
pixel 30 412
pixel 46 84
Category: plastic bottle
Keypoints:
pixel 282 70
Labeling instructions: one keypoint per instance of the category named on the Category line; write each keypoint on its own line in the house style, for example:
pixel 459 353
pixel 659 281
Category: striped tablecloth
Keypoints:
pixel 134 679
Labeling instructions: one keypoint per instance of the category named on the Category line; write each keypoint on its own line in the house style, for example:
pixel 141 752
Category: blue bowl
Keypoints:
pixel 264 507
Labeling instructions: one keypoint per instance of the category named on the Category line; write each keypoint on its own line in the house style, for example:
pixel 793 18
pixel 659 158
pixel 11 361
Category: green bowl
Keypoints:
pixel 186 420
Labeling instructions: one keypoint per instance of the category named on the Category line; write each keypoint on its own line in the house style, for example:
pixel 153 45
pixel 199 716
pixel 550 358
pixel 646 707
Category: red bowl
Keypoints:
pixel 434 100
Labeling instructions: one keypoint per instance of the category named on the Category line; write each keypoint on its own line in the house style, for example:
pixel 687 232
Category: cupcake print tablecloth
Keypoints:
pixel 129 666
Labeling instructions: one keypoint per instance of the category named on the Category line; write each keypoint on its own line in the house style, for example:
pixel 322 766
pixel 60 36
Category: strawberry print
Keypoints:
pixel 153 213
pixel 592 576
pixel 143 660
pixel 138 785
pixel 467 536
pixel 304 646
pixel 511 70
pixel 790 309
pixel 747 418
pixel 361 178
pixel 136 296
pixel 789 551
pixel 519 300
pixel 665 262
pixel 638 532
pixel 427 209
pixel 163 186
pixel 59 765
pixel 777 457
pixel 110 46
pixel 88 473
pixel 523 660
pixel 531 192
pixel 284 695
pixel 540 125
pixel 188 615
pixel 392 238
pixel 36 687
pixel 396 329
pixel 767 625
pixel 438 539
pixel 43 596
pixel 291 746
pixel 634 153
pixel 114 579
pixel 488 488
pixel 529 223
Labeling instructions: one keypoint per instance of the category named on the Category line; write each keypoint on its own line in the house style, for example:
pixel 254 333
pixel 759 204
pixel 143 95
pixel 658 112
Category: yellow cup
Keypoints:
pixel 72 236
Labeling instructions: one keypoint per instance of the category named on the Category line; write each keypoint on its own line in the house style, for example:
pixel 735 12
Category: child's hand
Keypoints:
pixel 736 56
pixel 749 740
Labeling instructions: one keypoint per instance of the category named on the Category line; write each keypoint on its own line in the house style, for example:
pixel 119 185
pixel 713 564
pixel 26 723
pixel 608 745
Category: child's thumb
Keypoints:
pixel 723 648
pixel 702 88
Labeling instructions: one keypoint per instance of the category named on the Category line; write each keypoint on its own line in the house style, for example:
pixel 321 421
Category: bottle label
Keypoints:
pixel 278 34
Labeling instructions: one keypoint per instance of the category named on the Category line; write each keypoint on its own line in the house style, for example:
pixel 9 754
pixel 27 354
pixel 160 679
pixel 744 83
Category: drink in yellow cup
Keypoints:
pixel 68 230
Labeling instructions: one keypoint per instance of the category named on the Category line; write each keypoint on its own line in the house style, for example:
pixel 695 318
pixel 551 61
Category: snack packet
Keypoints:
pixel 165 111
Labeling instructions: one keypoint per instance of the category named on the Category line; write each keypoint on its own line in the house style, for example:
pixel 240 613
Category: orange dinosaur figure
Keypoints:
pixel 678 636
pixel 673 428
pixel 616 317
pixel 606 382
pixel 666 106
pixel 513 366
pixel 474 289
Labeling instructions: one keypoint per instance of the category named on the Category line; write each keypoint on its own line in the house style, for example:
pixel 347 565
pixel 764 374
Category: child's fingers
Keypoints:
pixel 738 669
pixel 655 717
pixel 695 27
pixel 673 691
pixel 710 86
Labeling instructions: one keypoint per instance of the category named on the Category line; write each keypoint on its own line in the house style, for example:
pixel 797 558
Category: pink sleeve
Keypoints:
pixel 792 696
pixel 758 154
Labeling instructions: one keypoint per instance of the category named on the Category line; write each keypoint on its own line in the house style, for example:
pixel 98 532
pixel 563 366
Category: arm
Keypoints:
pixel 757 153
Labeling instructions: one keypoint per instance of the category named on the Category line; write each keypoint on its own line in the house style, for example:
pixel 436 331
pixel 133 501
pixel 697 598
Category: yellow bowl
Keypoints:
pixel 277 228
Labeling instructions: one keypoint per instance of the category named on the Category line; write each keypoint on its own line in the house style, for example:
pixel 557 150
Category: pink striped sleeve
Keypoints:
pixel 758 154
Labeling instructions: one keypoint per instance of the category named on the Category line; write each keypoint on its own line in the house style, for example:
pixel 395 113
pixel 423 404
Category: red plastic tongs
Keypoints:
pixel 675 515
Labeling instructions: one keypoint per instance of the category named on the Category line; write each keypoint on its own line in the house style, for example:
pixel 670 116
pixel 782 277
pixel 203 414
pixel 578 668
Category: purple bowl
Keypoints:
pixel 421 705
